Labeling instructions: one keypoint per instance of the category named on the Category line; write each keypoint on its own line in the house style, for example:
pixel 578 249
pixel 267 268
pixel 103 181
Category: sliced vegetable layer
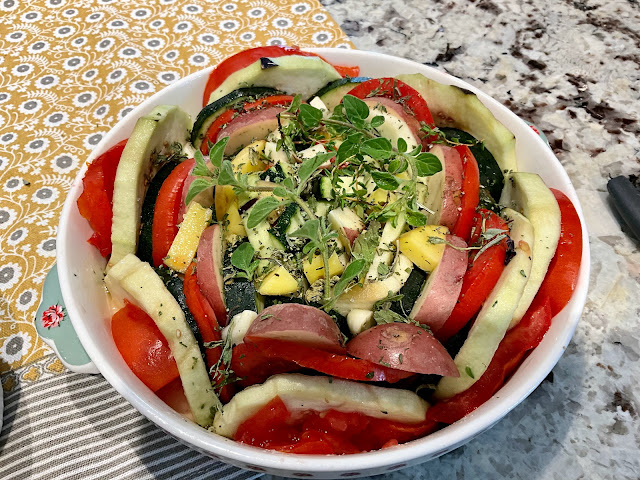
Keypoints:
pixel 138 283
pixel 452 106
pixel 493 320
pixel 161 132
pixel 527 193
pixel 300 393
pixel 339 242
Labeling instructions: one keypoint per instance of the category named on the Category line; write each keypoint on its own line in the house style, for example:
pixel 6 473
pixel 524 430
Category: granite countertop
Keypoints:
pixel 572 68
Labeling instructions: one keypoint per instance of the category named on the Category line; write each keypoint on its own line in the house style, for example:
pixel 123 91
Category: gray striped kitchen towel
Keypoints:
pixel 75 426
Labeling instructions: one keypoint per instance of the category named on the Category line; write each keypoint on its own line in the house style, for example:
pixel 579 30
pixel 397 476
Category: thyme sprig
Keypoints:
pixel 361 152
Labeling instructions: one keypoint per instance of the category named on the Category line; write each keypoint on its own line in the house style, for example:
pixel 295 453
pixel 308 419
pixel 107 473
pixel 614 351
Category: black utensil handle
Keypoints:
pixel 626 198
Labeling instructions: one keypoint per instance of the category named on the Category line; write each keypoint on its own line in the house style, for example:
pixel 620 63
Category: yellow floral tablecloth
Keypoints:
pixel 69 71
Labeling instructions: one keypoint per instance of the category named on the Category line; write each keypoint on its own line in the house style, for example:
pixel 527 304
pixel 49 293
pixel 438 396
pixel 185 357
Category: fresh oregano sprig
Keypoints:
pixel 242 259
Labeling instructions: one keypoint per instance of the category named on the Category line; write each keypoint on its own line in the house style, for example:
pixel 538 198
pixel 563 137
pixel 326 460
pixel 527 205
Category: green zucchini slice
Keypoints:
pixel 212 111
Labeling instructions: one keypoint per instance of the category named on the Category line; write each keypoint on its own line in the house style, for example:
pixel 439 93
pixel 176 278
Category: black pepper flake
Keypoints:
pixel 511 251
pixel 267 63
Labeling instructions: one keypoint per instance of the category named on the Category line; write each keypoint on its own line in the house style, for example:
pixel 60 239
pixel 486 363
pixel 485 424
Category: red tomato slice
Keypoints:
pixel 525 336
pixel 347 71
pixel 253 367
pixel 562 275
pixel 207 324
pixel 247 57
pixel 173 395
pixel 470 193
pixel 334 364
pixel 399 92
pixel 165 215
pixel 95 202
pixel 143 347
pixel 330 432
pixel 219 123
pixel 480 278
pixel 267 426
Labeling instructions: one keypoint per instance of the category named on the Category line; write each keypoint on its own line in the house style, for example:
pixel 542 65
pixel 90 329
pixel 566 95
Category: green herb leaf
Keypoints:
pixel 217 152
pixel 354 269
pixel 226 175
pixel 242 256
pixel 367 242
pixel 346 150
pixel 280 192
pixel 198 185
pixel 308 230
pixel 288 183
pixel 436 240
pixel 385 180
pixel 495 240
pixel 402 145
pixel 309 116
pixel 378 148
pixel 377 121
pixel 469 371
pixel 200 170
pixel 310 165
pixel 356 110
pixel 383 269
pixel 295 103
pixel 415 218
pixel 398 165
pixel 387 316
pixel 427 164
pixel 261 210
pixel 416 151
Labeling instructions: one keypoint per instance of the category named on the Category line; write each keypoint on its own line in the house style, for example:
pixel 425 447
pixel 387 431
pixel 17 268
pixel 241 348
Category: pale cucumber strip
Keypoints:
pixel 152 135
pixel 291 74
pixel 301 392
pixel 493 320
pixel 453 106
pixel 527 193
pixel 145 289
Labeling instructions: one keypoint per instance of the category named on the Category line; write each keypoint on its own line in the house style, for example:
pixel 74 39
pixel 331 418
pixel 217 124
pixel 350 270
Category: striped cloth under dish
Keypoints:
pixel 76 426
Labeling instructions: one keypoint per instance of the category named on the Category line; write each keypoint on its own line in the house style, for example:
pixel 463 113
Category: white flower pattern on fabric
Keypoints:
pixel 47 248
pixel 15 347
pixel 26 299
pixel 10 274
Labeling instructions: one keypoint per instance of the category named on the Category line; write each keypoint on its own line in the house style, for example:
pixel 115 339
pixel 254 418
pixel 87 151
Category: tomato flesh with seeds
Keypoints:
pixel 275 427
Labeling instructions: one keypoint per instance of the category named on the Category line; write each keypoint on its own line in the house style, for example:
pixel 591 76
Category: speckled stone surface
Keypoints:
pixel 572 68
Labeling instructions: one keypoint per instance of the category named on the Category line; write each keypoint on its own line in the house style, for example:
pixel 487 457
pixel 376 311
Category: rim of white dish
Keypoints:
pixel 432 445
